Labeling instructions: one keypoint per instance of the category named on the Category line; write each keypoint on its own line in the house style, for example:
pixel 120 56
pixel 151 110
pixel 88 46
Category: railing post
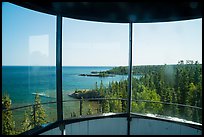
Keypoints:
pixel 62 128
pixel 122 102
pixel 34 117
pixel 80 107
pixel 100 104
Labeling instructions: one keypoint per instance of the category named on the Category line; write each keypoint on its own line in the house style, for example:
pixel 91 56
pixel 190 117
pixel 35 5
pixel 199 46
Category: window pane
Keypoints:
pixel 28 65
pixel 90 48
pixel 169 58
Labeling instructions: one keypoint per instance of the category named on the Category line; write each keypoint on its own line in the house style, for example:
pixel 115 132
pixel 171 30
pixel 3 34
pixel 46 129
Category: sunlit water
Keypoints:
pixel 23 82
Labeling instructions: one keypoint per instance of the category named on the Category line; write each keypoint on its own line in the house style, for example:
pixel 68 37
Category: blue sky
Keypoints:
pixel 28 38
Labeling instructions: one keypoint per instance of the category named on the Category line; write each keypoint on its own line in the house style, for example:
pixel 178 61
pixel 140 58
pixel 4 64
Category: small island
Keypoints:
pixel 98 74
pixel 79 94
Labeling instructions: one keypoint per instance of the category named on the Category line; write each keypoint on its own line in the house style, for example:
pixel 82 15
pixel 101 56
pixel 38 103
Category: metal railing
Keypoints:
pixel 99 100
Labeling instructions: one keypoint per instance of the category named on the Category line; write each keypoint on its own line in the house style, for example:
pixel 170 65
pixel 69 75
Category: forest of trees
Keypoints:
pixel 181 83
pixel 33 117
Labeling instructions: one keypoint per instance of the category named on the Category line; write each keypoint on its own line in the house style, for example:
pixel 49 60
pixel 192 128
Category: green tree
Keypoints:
pixel 181 83
pixel 26 123
pixel 118 104
pixel 90 111
pixel 115 105
pixel 8 124
pixel 105 106
pixel 146 107
pixel 38 115
pixel 96 87
pixel 123 94
pixel 193 98
pixel 101 89
pixel 138 107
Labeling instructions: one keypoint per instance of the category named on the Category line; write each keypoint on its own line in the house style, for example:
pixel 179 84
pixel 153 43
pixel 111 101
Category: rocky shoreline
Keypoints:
pixel 79 94
pixel 98 75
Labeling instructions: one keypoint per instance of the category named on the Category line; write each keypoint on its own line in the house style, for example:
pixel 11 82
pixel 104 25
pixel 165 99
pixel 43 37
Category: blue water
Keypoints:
pixel 21 82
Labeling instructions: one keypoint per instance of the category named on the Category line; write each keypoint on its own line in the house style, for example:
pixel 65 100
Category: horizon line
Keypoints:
pixel 86 65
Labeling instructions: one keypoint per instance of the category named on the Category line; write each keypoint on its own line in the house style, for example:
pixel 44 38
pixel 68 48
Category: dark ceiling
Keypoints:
pixel 120 12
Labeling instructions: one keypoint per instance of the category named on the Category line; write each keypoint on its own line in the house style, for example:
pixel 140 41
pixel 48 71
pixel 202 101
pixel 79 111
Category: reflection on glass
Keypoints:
pixel 39 49
pixel 28 69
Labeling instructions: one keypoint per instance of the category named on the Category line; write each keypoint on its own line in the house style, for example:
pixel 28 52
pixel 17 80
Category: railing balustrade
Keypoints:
pixel 99 102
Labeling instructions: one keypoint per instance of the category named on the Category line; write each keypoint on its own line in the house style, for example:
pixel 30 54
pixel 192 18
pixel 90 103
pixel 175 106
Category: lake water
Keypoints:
pixel 22 82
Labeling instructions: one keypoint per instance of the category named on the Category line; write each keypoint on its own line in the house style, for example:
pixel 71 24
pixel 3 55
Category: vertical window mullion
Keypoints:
pixel 129 79
pixel 59 73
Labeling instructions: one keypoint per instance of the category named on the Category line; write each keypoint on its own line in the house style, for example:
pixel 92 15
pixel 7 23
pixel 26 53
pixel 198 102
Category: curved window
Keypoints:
pixel 90 49
pixel 96 58
pixel 169 58
pixel 28 68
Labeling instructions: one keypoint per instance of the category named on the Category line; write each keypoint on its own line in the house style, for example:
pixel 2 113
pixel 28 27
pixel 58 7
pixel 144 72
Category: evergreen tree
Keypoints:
pixel 38 115
pixel 101 90
pixel 115 105
pixel 90 111
pixel 146 107
pixel 138 107
pixel 181 83
pixel 193 101
pixel 26 124
pixel 109 89
pixel 124 95
pixel 96 87
pixel 175 109
pixel 105 106
pixel 118 104
pixel 8 124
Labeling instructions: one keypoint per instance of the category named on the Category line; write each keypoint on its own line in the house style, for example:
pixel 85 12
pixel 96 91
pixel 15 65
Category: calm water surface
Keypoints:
pixel 22 82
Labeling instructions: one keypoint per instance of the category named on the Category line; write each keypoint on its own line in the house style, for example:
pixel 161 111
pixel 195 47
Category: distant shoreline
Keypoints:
pixel 53 66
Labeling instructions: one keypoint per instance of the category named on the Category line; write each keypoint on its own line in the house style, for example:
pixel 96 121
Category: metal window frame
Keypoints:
pixel 59 74
pixel 59 77
pixel 129 80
